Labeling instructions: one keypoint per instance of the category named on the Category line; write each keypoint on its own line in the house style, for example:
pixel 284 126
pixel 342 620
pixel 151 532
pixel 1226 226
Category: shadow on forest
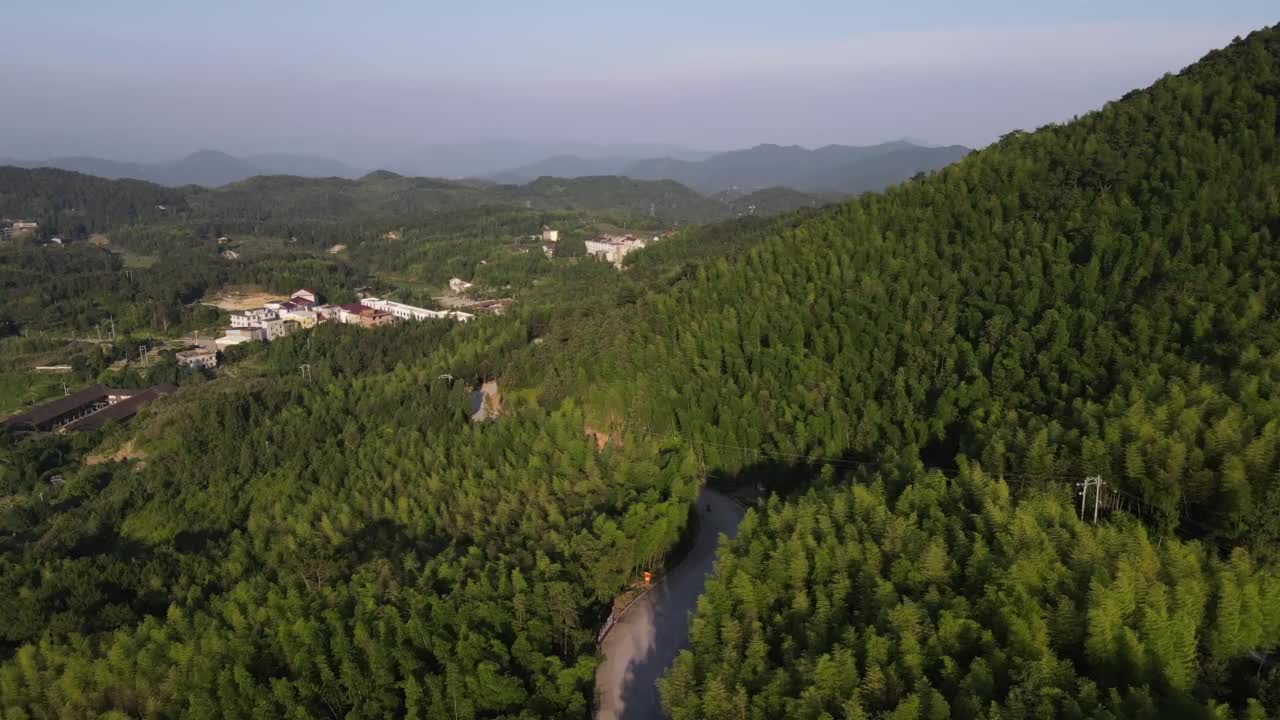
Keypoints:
pixel 195 541
pixel 380 538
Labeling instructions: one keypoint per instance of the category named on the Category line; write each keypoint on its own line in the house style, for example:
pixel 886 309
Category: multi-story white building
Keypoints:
pixel 613 248
pixel 409 312
pixel 252 318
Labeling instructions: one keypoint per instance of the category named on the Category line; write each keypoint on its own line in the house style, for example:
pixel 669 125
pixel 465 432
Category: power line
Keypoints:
pixel 1141 505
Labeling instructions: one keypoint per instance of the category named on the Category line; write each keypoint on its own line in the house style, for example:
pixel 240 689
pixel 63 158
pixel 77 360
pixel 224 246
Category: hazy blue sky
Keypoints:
pixel 362 80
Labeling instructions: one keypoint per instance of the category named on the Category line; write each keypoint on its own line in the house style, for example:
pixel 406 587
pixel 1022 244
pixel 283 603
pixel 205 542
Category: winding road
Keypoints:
pixel 644 643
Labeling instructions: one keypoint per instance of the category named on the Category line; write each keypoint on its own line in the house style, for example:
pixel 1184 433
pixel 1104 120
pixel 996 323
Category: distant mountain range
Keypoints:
pixel 829 170
pixel 838 169
pixel 74 204
pixel 489 159
pixel 209 168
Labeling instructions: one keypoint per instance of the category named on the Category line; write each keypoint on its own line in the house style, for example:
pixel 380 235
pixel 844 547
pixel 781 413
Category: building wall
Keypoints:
pixel 276 329
pixel 199 360
pixel 252 318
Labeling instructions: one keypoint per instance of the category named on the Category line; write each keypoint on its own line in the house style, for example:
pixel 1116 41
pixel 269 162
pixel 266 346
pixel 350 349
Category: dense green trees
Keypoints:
pixel 1098 297
pixel 950 599
pixel 352 545
pixel 1093 298
pixel 1090 298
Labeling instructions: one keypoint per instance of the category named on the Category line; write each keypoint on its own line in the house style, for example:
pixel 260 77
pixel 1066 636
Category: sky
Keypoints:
pixel 371 80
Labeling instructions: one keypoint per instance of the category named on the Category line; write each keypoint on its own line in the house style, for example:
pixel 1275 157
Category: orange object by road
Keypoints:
pixel 647 577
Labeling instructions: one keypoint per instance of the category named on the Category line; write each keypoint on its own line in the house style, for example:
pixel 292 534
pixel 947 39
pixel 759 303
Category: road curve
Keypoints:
pixel 644 643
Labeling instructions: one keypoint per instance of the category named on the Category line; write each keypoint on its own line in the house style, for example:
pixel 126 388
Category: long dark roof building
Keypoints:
pixel 87 409
pixel 56 413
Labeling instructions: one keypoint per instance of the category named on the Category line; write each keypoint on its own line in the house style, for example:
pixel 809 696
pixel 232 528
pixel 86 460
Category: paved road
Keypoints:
pixel 656 628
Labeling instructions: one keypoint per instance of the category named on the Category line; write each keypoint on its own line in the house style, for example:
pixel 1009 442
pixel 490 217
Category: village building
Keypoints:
pixel 278 328
pixel 238 335
pixel 198 358
pixel 376 318
pixel 613 248
pixel 327 313
pixel 305 317
pixel 458 285
pixel 349 314
pixel 252 318
pixel 87 409
pixel 409 312
pixel 549 235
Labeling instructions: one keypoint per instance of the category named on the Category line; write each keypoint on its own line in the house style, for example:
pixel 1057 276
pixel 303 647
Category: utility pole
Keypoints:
pixel 1096 482
pixel 306 371
pixel 112 320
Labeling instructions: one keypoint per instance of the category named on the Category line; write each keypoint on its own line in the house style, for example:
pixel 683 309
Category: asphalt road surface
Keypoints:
pixel 644 643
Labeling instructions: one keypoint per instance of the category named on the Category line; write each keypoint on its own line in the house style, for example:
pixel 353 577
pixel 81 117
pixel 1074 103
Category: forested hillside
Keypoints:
pixel 352 546
pixel 917 380
pixel 1093 298
pixel 953 600
pixel 73 205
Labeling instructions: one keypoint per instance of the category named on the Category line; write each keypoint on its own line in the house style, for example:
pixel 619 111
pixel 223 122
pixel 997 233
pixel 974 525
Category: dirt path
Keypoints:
pixel 644 643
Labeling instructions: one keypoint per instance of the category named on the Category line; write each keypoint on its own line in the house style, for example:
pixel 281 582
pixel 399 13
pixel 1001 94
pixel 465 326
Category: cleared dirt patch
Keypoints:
pixel 126 451
pixel 241 299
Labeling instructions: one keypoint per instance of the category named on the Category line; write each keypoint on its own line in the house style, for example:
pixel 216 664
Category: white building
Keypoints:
pixel 613 248
pixel 198 358
pixel 252 318
pixel 458 285
pixel 549 235
pixel 304 294
pixel 409 312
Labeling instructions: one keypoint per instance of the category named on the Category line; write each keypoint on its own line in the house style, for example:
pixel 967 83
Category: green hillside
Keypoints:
pixel 1093 298
pixel 916 380
pixel 74 205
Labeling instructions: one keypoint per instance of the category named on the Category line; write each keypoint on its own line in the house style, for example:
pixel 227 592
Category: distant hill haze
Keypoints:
pixel 825 171
pixel 832 169
pixel 209 168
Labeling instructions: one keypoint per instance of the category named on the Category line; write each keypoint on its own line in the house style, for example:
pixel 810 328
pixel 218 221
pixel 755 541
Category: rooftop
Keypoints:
pixel 122 410
pixel 54 409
